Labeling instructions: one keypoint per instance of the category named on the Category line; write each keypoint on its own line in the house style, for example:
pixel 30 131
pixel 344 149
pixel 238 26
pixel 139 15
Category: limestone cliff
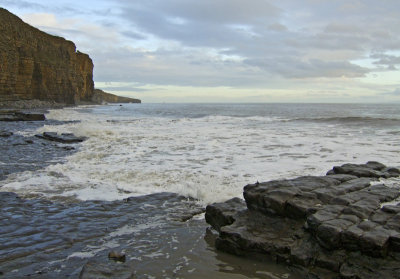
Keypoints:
pixel 100 96
pixel 36 65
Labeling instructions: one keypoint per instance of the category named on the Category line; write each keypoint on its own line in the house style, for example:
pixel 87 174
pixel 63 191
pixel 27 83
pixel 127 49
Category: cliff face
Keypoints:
pixel 100 96
pixel 36 65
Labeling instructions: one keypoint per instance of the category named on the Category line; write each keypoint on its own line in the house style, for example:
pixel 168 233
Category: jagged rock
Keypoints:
pixel 328 222
pixel 63 138
pixel 222 214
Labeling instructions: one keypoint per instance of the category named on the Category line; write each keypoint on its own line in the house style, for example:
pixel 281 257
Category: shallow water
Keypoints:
pixel 43 239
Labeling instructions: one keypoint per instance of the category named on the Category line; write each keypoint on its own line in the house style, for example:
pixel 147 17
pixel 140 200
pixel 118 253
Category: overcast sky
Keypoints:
pixel 232 50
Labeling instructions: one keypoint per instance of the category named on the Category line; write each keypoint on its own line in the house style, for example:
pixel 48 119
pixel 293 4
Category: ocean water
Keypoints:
pixel 206 151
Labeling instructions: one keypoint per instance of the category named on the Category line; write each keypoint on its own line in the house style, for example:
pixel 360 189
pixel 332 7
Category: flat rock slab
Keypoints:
pixel 21 116
pixel 63 138
pixel 87 239
pixel 328 222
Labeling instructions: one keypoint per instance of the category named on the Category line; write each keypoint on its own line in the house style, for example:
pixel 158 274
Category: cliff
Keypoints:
pixel 100 96
pixel 36 65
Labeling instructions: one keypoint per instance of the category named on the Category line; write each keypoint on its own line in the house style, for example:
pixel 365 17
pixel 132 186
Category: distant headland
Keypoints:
pixel 37 66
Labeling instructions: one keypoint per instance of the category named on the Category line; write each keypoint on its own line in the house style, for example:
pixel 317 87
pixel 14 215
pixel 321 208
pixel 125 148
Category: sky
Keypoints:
pixel 342 51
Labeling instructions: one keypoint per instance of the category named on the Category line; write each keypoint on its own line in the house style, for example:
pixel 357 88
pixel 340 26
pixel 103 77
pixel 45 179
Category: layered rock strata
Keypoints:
pixel 36 65
pixel 346 222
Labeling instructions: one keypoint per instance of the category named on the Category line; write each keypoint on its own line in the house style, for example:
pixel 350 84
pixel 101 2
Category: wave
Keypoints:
pixel 367 120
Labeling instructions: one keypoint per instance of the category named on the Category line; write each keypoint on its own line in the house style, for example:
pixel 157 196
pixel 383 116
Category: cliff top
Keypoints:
pixel 9 19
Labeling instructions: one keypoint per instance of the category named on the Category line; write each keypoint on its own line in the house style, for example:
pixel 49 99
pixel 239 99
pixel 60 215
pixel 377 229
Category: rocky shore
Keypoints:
pixel 345 224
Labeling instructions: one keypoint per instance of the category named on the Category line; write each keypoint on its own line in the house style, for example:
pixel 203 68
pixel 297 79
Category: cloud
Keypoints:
pixel 167 67
pixel 313 68
pixel 45 6
pixel 208 23
pixel 389 61
pixel 86 35
pixel 133 35
pixel 396 93
pixel 21 4
pixel 301 41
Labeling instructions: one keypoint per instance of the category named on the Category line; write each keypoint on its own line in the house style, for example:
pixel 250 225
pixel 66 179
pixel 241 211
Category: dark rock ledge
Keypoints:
pixel 15 115
pixel 331 226
pixel 63 137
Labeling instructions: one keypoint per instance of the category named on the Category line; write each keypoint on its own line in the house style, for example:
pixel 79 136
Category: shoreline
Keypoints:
pixel 56 237
pixel 38 105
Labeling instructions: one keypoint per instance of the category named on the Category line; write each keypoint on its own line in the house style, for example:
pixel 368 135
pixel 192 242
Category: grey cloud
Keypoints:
pixel 21 4
pixel 289 39
pixel 160 68
pixel 328 41
pixel 313 68
pixel 390 61
pixel 277 27
pixel 342 28
pixel 207 23
pixel 198 23
pixel 64 8
pixel 217 11
pixel 133 35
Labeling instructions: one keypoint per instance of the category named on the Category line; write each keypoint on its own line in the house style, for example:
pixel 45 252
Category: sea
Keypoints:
pixel 207 151
pixel 204 152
